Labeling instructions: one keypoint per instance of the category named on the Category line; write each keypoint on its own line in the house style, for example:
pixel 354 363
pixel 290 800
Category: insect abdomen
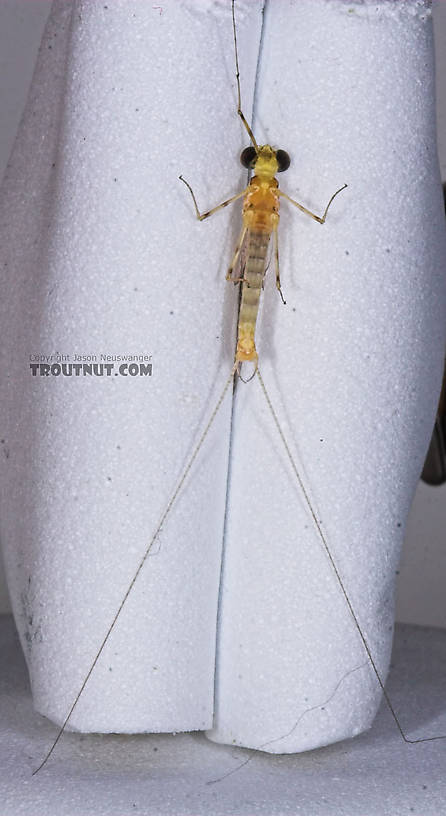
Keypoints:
pixel 255 265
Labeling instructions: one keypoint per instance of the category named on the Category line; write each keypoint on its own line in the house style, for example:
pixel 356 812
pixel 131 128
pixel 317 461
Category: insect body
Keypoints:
pixel 260 220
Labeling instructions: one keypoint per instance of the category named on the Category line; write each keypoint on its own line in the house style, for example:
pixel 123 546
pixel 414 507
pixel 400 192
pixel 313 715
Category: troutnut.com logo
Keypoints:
pixel 90 365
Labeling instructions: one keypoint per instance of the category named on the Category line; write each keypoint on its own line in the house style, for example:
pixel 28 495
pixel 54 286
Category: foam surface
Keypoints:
pixel 352 363
pixel 101 253
pixel 165 774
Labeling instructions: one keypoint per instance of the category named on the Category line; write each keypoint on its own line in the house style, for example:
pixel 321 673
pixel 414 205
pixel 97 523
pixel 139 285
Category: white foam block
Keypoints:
pixel 101 253
pixel 353 365
pixel 107 257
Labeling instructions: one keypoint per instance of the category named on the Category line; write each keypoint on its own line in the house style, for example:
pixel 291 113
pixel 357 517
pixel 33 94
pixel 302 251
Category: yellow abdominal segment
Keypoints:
pixel 246 348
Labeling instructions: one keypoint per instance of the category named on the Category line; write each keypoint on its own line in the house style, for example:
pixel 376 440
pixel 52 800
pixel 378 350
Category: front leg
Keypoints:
pixel 319 218
pixel 202 216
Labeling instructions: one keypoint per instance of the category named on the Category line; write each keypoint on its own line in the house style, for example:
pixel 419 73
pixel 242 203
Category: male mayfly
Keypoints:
pixel 248 266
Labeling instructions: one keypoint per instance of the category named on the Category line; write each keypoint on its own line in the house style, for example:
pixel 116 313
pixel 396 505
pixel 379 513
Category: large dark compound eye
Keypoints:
pixel 283 160
pixel 248 157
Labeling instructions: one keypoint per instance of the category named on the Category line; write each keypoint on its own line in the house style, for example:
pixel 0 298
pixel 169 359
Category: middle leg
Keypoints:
pixel 236 256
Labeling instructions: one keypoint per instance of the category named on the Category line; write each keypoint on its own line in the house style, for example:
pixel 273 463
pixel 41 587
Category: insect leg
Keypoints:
pixel 276 257
pixel 236 257
pixel 237 76
pixel 202 216
pixel 319 218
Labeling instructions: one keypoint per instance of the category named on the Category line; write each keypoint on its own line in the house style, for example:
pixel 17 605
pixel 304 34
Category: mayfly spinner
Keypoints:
pixel 260 219
pixel 248 267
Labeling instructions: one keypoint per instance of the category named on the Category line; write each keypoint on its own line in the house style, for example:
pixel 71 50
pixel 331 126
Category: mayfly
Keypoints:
pixel 260 221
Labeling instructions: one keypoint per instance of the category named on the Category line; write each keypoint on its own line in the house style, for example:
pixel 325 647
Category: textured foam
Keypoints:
pixel 120 775
pixel 101 254
pixel 352 363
